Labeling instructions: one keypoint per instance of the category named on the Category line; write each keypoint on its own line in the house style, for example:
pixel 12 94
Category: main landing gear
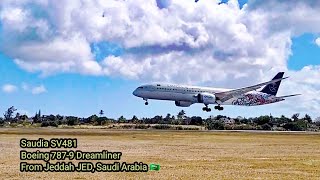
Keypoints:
pixel 218 108
pixel 206 108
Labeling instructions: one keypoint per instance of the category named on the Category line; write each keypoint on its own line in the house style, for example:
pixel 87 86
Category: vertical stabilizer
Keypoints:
pixel 273 88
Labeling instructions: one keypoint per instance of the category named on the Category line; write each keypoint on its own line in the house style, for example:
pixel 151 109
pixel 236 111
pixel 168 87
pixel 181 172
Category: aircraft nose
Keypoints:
pixel 134 92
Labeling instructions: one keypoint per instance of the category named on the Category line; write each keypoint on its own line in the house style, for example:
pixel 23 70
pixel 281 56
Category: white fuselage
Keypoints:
pixel 189 94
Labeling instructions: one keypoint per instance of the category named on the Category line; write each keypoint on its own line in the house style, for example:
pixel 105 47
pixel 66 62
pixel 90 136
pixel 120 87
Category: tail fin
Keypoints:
pixel 273 88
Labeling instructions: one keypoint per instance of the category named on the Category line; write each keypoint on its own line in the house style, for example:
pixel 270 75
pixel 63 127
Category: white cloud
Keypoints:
pixel 38 89
pixel 9 88
pixel 33 89
pixel 185 42
pixel 317 41
pixel 25 86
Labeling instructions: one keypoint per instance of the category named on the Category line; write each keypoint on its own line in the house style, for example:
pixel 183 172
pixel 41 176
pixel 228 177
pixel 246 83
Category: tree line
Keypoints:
pixel 219 122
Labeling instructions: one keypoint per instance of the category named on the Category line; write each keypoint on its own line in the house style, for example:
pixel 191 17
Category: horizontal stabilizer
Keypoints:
pixel 289 95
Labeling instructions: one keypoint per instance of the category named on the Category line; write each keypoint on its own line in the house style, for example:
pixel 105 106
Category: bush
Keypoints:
pixel 49 123
pixel 299 125
pixel 141 126
pixel 266 126
pixel 245 127
pixel 127 126
pixel 217 125
pixel 1 122
pixel 190 128
pixel 161 126
pixel 71 121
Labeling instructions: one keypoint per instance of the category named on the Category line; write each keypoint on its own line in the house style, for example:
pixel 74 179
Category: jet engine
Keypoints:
pixel 183 103
pixel 206 98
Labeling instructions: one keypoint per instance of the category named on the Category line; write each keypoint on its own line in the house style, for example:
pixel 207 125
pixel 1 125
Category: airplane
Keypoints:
pixel 185 96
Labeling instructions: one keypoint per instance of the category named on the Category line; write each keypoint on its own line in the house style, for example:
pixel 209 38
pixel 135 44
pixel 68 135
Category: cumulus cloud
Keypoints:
pixel 34 89
pixel 317 41
pixel 9 88
pixel 204 43
pixel 39 89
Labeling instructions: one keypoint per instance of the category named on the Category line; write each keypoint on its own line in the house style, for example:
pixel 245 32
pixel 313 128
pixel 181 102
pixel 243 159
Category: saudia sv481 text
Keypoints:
pixel 52 143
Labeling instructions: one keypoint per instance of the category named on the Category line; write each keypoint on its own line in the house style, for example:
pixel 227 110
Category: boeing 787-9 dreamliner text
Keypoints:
pixel 184 96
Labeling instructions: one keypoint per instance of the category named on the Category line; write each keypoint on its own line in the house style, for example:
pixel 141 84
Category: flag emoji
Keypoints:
pixel 154 167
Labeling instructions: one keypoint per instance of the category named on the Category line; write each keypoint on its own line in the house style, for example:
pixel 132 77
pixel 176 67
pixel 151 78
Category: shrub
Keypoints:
pixel 161 126
pixel 296 126
pixel 266 126
pixel 141 126
pixel 215 125
pixel 127 126
pixel 190 128
pixel 49 123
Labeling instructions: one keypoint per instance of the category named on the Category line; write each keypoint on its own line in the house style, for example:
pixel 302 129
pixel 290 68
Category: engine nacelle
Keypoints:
pixel 183 103
pixel 206 98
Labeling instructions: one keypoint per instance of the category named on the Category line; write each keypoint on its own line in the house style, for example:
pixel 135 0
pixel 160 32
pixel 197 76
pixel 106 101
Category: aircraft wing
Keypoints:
pixel 224 96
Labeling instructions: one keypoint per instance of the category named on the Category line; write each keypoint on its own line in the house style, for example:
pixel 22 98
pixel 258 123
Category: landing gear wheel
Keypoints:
pixel 206 108
pixel 146 103
pixel 218 108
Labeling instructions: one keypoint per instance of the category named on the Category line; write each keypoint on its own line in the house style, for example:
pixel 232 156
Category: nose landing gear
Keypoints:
pixel 146 103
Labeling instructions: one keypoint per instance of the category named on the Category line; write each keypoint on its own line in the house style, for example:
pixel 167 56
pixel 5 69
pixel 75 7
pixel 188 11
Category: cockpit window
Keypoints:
pixel 158 84
pixel 140 87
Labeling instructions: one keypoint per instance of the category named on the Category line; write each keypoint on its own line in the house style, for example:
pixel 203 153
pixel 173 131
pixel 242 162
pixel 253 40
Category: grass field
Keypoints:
pixel 181 154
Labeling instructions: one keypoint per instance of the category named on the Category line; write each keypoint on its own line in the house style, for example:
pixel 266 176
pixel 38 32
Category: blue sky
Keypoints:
pixel 81 94
pixel 304 52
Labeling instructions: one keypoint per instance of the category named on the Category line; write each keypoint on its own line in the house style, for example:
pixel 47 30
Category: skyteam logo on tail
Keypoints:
pixel 273 87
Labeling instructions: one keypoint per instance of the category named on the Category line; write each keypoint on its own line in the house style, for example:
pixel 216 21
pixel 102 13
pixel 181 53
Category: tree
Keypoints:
pixel 1 121
pixel 37 117
pixel 101 112
pixel 266 126
pixel 92 119
pixel 317 121
pixel 283 119
pixel 9 113
pixel 262 120
pixel 196 120
pixel 181 114
pixel 307 118
pixel 296 126
pixel 24 117
pixel 17 118
pixel 71 120
pixel 121 119
pixel 213 124
pixel 134 119
pixel 295 117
